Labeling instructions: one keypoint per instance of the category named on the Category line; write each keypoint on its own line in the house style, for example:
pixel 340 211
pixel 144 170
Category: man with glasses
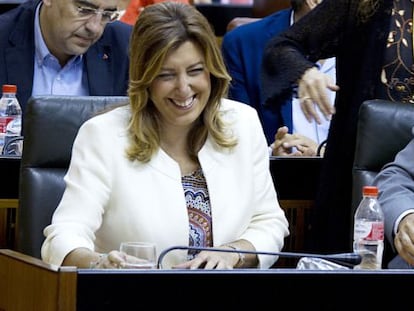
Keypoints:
pixel 64 47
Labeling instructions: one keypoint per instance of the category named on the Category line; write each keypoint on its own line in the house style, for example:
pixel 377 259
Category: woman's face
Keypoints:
pixel 182 88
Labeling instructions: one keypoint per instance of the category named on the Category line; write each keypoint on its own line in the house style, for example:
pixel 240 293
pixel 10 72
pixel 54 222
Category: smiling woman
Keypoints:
pixel 180 164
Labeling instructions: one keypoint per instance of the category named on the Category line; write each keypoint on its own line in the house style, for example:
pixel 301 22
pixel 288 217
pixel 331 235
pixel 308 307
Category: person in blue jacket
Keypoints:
pixel 65 48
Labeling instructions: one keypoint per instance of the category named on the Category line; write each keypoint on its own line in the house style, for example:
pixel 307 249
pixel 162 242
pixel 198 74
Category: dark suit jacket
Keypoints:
pixel 396 184
pixel 332 29
pixel 106 75
pixel 242 50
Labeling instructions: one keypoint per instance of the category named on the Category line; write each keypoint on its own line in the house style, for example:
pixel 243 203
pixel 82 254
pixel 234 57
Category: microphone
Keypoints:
pixel 345 259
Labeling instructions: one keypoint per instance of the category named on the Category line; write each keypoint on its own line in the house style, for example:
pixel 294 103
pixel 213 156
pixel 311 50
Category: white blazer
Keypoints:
pixel 109 199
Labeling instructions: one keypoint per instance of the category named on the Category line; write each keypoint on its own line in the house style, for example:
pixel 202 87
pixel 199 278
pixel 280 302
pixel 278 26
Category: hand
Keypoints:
pixel 312 90
pixel 404 239
pixel 211 260
pixel 85 258
pixel 112 260
pixel 285 143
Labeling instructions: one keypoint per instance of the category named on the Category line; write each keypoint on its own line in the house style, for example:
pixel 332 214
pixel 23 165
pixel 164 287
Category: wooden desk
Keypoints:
pixel 27 284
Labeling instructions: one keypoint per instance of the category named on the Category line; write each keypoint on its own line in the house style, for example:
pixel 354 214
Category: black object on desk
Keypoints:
pixel 232 289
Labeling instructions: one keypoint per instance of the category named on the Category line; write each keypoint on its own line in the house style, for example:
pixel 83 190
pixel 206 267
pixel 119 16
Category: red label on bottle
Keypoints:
pixel 377 232
pixel 3 123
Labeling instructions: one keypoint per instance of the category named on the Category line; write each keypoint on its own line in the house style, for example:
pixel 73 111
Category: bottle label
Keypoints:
pixel 369 230
pixel 3 123
pixel 14 126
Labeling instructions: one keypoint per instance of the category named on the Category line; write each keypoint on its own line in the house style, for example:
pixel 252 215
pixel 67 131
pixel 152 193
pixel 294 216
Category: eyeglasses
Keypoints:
pixel 107 16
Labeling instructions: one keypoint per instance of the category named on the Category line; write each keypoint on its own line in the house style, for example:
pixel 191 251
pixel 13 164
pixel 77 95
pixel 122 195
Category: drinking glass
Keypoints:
pixel 140 255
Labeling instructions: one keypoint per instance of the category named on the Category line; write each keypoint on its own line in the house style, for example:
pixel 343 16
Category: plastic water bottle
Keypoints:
pixel 369 230
pixel 10 122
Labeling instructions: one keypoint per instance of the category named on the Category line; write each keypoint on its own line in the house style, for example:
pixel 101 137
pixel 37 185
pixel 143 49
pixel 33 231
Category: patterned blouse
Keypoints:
pixel 199 210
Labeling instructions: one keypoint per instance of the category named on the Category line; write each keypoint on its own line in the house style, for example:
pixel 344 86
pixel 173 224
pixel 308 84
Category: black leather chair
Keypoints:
pixel 50 125
pixel 384 128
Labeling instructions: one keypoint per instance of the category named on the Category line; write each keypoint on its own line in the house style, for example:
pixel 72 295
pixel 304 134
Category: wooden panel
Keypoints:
pixel 296 180
pixel 9 189
pixel 9 203
pixel 297 213
pixel 3 228
pixel 8 211
pixel 28 284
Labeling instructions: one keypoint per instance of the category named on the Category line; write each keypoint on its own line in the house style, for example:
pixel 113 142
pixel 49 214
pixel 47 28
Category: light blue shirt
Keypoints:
pixel 49 77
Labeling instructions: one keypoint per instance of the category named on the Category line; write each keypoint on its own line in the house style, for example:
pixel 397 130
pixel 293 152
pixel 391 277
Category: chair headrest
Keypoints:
pixel 385 127
pixel 50 125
